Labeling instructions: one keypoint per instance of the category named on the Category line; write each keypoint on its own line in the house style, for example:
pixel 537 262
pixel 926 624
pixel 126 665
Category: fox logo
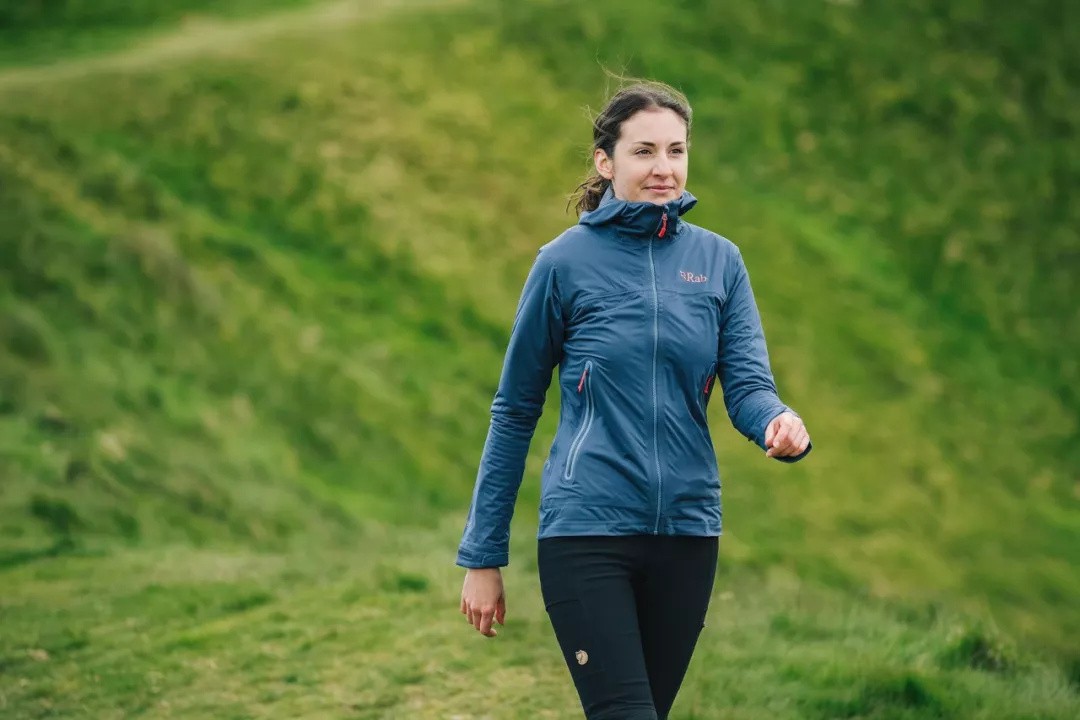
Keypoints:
pixel 691 277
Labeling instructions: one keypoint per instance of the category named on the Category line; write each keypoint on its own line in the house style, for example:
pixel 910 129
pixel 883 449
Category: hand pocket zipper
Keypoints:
pixel 706 388
pixel 584 385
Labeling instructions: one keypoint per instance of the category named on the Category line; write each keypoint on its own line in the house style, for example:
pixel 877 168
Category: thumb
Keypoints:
pixel 770 431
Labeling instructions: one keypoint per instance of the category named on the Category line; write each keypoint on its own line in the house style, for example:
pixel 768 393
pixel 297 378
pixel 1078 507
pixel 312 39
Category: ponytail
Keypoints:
pixel 588 193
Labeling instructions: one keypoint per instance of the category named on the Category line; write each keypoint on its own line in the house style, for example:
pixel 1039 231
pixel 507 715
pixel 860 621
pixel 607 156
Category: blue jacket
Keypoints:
pixel 640 310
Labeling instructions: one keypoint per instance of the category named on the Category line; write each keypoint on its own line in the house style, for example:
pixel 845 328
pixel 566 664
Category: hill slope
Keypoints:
pixel 259 301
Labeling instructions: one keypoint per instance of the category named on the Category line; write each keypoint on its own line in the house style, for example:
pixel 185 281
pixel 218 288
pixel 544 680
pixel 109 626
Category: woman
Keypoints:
pixel 640 310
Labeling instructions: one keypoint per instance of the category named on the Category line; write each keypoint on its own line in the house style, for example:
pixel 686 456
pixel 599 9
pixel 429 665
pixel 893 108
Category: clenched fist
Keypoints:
pixel 786 436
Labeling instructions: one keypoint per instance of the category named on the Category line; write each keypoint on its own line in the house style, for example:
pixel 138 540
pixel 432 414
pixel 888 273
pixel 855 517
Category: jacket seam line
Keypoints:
pixel 656 341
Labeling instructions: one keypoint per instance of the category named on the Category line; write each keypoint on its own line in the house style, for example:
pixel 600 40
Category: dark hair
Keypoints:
pixel 607 126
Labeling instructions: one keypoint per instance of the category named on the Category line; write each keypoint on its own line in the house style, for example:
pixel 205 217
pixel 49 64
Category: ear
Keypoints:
pixel 603 164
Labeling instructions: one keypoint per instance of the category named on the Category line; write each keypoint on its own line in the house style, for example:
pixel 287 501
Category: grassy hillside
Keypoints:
pixel 253 302
pixel 944 130
pixel 43 31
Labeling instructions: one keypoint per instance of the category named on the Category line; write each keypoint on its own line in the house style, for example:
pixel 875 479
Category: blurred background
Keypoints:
pixel 258 267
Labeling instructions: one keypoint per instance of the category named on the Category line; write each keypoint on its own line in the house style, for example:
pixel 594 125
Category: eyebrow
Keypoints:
pixel 652 144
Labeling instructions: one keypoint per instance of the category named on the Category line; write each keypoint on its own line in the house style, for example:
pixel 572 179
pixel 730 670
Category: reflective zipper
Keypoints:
pixel 708 387
pixel 656 340
pixel 586 420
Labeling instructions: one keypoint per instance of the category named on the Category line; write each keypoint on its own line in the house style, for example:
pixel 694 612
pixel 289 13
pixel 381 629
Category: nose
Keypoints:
pixel 662 166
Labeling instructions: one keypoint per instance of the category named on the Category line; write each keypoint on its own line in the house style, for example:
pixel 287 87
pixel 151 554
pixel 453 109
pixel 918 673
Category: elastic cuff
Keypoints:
pixel 469 559
pixel 800 456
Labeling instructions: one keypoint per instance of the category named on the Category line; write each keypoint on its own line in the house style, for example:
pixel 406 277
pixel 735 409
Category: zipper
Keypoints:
pixel 586 420
pixel 707 389
pixel 663 226
pixel 656 340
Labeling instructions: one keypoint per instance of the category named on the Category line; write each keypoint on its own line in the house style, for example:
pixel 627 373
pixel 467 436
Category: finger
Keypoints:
pixel 798 443
pixel 500 612
pixel 464 607
pixel 799 436
pixel 792 440
pixel 790 427
pixel 480 624
pixel 791 447
pixel 797 431
pixel 796 427
pixel 786 440
pixel 770 430
pixel 781 436
pixel 485 620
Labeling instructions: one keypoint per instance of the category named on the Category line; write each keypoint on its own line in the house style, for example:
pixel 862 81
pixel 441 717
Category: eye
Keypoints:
pixel 641 151
pixel 678 150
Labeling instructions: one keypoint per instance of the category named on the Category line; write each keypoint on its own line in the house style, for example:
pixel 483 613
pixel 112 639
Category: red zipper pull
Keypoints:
pixel 663 226
pixel 708 384
pixel 582 382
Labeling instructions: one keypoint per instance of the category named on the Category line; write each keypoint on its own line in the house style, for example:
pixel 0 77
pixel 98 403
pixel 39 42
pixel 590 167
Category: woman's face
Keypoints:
pixel 649 163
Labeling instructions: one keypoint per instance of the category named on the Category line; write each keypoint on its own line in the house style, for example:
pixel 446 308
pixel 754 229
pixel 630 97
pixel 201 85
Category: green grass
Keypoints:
pixel 182 632
pixel 253 303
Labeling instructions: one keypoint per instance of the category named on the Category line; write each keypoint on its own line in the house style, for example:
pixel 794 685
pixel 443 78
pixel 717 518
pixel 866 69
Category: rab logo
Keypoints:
pixel 691 277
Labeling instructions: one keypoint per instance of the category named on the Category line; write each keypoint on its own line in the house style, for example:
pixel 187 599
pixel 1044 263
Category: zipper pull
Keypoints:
pixel 663 226
pixel 708 384
pixel 582 382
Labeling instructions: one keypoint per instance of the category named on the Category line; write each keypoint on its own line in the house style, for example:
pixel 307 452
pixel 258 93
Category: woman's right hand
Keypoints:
pixel 483 598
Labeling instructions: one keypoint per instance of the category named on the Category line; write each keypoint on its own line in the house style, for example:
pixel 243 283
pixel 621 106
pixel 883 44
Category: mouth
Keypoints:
pixel 659 188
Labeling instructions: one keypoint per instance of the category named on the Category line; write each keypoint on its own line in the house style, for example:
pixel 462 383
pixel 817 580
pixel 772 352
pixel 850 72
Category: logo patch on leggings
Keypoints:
pixel 582 657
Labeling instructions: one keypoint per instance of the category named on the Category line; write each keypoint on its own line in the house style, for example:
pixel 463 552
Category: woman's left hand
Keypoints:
pixel 786 436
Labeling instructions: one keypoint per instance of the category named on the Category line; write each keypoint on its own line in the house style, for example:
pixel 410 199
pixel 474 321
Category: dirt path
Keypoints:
pixel 203 37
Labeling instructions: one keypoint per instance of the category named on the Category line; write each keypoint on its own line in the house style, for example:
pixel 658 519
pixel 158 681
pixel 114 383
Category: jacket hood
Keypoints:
pixel 639 218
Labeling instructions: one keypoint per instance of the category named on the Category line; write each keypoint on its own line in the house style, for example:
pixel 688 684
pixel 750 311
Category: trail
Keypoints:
pixel 213 37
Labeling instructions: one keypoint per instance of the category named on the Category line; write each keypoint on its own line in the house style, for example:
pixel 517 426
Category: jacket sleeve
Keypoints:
pixel 749 388
pixel 534 349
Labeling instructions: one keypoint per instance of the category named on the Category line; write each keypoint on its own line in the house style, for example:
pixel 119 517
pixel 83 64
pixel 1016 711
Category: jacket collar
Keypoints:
pixel 639 218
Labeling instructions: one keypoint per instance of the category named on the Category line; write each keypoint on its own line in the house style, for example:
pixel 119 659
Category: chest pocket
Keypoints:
pixel 691 332
pixel 604 326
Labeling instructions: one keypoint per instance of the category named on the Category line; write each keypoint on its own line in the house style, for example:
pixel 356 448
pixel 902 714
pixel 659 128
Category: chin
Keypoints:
pixel 656 199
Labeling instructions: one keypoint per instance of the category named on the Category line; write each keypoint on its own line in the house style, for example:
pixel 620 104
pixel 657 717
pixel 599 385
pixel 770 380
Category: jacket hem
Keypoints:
pixel 700 529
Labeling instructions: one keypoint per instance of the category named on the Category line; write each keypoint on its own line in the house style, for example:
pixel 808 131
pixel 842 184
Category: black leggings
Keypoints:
pixel 627 611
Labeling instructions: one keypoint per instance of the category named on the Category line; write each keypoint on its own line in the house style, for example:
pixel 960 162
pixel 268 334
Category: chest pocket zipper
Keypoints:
pixel 585 384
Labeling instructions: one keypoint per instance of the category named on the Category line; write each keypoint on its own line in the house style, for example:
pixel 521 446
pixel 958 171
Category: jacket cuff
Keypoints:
pixel 472 559
pixel 800 456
